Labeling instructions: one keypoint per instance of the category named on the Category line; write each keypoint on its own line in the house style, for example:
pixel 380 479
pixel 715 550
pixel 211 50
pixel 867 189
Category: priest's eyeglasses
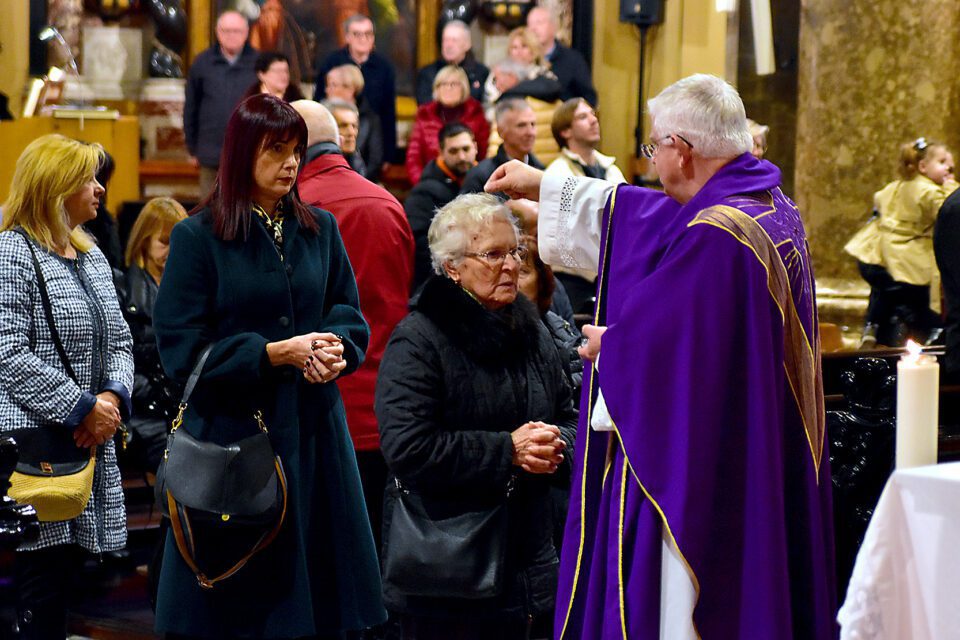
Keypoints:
pixel 496 258
pixel 649 150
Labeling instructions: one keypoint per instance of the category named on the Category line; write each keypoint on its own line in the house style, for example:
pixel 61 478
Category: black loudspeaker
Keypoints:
pixel 642 12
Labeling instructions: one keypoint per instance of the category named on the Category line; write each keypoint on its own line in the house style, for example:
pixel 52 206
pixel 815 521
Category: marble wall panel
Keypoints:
pixel 873 74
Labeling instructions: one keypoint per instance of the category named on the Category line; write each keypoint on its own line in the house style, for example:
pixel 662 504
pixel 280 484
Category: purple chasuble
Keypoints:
pixel 710 370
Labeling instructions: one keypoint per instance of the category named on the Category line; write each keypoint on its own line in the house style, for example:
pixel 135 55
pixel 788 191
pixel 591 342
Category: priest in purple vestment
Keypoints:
pixel 700 506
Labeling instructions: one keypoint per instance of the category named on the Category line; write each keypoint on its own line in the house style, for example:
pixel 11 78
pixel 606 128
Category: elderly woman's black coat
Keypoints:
pixel 320 574
pixel 454 382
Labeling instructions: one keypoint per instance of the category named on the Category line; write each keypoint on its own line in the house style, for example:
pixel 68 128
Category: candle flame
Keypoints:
pixel 914 352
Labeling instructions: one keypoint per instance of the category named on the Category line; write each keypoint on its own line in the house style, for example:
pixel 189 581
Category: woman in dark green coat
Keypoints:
pixel 266 280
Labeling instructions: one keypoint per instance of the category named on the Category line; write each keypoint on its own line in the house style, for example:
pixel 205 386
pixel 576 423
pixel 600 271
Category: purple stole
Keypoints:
pixel 710 370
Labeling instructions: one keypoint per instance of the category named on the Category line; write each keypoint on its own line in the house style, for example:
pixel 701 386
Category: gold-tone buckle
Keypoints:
pixel 258 416
pixel 179 419
pixel 46 467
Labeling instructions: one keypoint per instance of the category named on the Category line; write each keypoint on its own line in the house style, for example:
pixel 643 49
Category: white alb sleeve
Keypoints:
pixel 571 214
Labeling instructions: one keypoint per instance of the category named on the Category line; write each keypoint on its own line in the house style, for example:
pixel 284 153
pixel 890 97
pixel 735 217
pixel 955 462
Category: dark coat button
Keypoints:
pixel 289 270
pixel 284 321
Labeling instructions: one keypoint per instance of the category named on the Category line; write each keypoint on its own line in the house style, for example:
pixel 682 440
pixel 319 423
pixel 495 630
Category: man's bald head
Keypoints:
pixel 321 125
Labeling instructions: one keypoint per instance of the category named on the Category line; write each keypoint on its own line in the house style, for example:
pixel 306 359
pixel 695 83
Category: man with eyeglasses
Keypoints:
pixel 701 500
pixel 456 45
pixel 379 77
pixel 216 83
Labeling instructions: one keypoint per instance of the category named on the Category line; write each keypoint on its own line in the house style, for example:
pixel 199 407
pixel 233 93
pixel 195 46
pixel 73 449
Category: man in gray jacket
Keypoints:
pixel 216 83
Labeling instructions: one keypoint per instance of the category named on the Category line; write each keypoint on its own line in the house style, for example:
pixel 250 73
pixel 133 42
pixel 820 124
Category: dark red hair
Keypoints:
pixel 256 123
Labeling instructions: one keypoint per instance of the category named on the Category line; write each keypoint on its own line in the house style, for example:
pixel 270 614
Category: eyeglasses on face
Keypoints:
pixel 361 34
pixel 650 150
pixel 496 258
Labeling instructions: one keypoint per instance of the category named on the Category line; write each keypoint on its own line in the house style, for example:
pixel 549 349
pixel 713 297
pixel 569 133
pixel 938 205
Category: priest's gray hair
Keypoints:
pixel 707 112
pixel 461 220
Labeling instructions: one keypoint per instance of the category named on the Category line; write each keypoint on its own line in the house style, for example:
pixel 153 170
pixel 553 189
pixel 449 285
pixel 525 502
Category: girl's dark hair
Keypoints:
pixel 546 282
pixel 264 60
pixel 267 58
pixel 256 123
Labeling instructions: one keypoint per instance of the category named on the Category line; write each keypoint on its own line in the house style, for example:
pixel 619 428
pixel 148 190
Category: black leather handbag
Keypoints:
pixel 443 548
pixel 219 491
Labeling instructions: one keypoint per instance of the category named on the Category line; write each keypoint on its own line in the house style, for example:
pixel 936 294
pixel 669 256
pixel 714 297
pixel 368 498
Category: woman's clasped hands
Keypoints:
pixel 537 447
pixel 100 424
pixel 318 355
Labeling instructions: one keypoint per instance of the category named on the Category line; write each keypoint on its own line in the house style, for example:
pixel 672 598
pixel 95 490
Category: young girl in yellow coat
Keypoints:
pixel 895 251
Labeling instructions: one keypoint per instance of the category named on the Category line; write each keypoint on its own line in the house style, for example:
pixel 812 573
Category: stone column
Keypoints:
pixel 873 74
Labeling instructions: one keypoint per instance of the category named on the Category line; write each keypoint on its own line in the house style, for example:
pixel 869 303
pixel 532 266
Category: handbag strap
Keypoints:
pixel 47 309
pixel 183 535
pixel 195 374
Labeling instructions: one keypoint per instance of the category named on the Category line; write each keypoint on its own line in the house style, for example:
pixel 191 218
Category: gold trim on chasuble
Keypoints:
pixel 801 360
pixel 601 291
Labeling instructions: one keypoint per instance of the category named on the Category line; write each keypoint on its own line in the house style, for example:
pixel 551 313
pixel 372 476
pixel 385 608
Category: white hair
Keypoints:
pixel 460 24
pixel 458 221
pixel 707 112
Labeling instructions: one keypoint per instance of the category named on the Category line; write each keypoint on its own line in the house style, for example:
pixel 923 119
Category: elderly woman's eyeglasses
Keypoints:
pixel 496 258
pixel 650 150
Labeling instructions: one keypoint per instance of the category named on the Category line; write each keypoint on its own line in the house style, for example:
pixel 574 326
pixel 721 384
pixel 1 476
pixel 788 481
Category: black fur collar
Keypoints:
pixel 489 337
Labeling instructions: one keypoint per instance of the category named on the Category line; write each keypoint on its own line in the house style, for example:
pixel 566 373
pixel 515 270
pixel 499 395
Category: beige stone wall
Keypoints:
pixel 692 39
pixel 873 74
pixel 14 56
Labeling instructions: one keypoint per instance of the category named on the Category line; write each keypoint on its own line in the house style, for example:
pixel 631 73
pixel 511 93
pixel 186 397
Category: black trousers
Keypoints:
pixel 45 580
pixel 373 478
pixel 899 309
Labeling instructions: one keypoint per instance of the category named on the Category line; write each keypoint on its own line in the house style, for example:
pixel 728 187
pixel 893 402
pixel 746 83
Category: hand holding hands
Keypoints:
pixel 326 362
pixel 537 447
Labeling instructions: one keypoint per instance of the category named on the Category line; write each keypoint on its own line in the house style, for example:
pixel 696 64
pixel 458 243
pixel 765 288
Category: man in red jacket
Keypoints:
pixel 379 243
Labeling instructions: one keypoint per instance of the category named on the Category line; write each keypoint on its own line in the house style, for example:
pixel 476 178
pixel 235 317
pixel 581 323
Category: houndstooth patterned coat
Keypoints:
pixel 35 390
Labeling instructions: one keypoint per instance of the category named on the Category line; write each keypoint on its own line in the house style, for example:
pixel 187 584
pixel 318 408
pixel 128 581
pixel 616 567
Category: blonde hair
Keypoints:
pixel 156 218
pixel 532 43
pixel 452 72
pixel 51 169
pixel 911 153
pixel 350 74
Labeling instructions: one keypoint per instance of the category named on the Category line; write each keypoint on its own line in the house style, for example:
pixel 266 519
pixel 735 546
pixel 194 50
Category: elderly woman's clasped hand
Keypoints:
pixel 537 447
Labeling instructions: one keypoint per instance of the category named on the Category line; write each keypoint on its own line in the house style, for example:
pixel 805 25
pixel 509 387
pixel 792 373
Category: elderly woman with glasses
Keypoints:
pixel 472 401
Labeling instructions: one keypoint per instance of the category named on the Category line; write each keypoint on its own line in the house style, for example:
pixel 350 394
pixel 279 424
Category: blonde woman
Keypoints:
pixel 52 193
pixel 154 396
pixel 451 102
pixel 346 83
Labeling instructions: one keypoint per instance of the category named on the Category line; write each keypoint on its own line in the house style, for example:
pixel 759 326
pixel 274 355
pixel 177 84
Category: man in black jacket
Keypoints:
pixel 455 44
pixel 517 125
pixel 567 64
pixel 216 83
pixel 379 78
pixel 439 184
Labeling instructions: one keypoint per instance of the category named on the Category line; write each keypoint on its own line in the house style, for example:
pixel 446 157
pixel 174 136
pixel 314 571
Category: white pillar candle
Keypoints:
pixel 918 389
